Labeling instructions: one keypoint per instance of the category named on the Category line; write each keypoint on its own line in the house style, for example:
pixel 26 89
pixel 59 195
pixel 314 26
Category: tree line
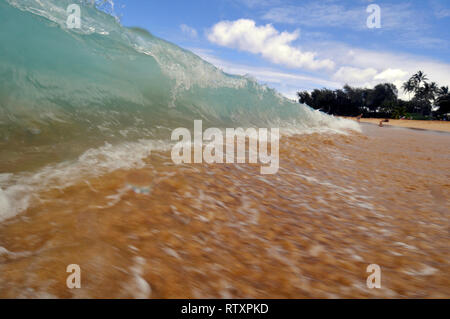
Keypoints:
pixel 427 100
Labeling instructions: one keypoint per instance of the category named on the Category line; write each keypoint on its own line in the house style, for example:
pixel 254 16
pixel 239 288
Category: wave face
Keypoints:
pixel 105 81
pixel 66 92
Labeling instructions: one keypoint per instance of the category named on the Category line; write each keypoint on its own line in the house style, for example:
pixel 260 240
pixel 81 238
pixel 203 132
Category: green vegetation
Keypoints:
pixel 428 100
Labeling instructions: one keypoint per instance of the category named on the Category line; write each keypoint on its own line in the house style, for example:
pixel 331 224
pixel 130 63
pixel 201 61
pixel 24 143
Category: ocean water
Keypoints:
pixel 86 178
pixel 66 94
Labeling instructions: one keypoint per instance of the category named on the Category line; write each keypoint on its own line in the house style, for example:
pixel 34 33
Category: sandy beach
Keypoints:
pixel 196 151
pixel 442 126
pixel 225 231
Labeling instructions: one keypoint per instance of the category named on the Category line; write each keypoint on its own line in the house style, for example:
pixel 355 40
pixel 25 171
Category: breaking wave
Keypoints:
pixel 70 95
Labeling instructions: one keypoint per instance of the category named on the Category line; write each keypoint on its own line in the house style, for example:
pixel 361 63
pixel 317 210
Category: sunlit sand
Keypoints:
pixel 338 204
pixel 443 126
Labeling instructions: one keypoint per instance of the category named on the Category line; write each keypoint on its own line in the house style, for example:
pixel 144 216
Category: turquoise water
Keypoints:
pixel 96 98
pixel 106 81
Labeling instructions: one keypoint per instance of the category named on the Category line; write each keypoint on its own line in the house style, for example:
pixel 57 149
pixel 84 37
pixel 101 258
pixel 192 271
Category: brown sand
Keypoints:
pixel 443 126
pixel 338 204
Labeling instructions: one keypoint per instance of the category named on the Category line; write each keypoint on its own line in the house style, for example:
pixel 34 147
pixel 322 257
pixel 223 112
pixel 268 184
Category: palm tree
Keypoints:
pixel 443 91
pixel 414 84
pixel 419 77
pixel 427 92
pixel 409 87
pixel 304 97
pixel 425 95
pixel 433 91
pixel 443 100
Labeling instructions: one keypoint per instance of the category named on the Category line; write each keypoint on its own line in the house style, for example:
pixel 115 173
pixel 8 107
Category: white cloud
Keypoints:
pixel 358 67
pixel 445 13
pixel 400 16
pixel 415 39
pixel 317 14
pixel 399 62
pixel 286 83
pixel 189 31
pixel 412 26
pixel 352 75
pixel 440 10
pixel 391 67
pixel 274 46
pixel 369 77
pixel 391 75
pixel 258 3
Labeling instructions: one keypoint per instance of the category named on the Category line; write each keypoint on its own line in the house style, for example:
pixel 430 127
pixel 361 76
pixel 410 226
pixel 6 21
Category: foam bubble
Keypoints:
pixel 4 204
pixel 19 189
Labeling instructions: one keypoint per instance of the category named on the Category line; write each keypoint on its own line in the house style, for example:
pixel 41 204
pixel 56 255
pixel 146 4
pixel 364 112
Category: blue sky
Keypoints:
pixel 305 44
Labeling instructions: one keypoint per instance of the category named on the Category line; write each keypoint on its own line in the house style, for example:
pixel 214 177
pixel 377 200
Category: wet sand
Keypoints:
pixel 338 204
pixel 443 126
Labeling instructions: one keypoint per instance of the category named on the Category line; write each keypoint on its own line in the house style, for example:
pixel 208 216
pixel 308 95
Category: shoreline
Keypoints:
pixel 440 126
pixel 188 226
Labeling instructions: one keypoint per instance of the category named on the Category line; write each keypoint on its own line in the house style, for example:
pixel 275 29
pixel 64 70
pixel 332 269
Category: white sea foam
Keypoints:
pixel 18 190
pixel 138 287
pixel 4 203
pixel 56 11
